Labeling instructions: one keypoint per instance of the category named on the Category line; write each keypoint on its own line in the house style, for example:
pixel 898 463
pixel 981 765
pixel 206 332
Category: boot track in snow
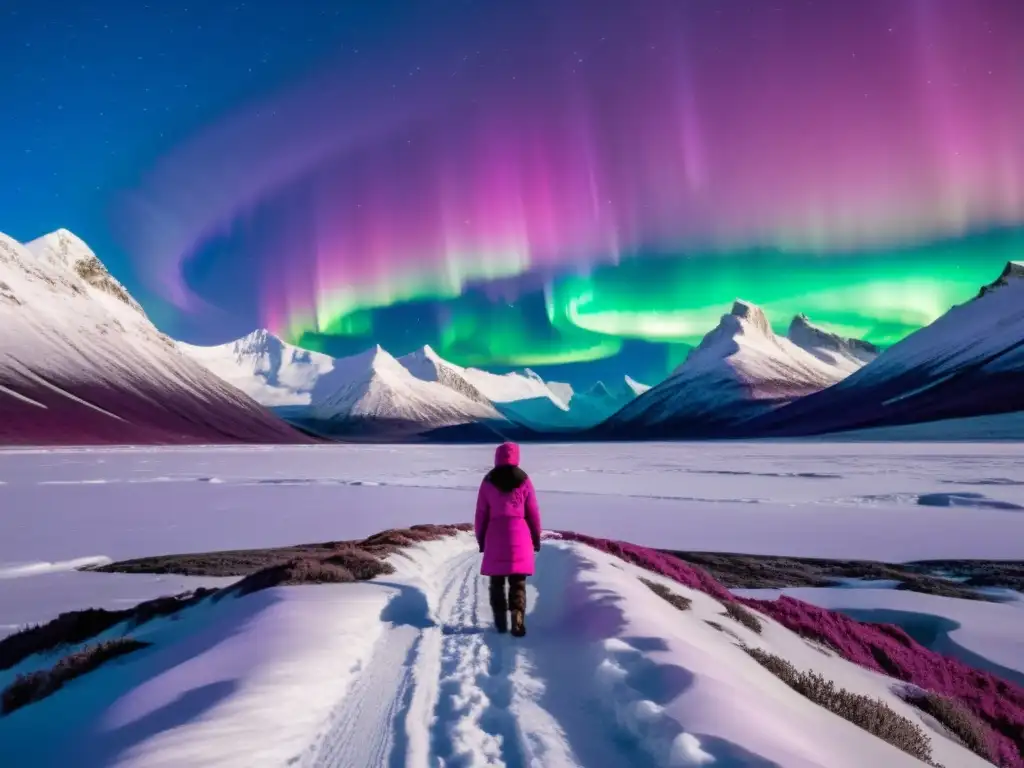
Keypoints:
pixel 444 689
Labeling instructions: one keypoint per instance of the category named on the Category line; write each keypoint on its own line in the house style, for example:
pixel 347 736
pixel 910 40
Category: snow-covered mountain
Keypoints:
pixel 848 355
pixel 562 390
pixel 522 398
pixel 425 364
pixel 969 362
pixel 739 370
pixel 269 370
pixel 635 386
pixel 597 403
pixel 525 398
pixel 374 391
pixel 80 363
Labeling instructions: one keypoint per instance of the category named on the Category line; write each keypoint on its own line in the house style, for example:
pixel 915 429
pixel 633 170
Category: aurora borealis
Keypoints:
pixel 558 182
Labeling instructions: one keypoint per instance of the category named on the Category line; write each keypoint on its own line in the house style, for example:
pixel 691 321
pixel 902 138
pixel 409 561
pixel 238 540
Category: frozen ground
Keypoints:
pixel 404 671
pixel 891 502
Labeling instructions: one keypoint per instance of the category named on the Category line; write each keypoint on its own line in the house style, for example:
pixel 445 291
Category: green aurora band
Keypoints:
pixel 880 296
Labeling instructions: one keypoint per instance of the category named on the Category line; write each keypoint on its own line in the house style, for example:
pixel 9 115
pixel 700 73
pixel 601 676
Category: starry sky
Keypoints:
pixel 582 187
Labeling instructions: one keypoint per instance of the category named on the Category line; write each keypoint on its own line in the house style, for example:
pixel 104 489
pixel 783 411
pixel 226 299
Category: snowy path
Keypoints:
pixel 451 692
pixel 407 672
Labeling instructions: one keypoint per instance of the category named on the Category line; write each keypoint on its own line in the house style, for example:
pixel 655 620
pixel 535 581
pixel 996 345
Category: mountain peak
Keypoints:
pixel 426 352
pixel 1013 271
pixel 256 342
pixel 598 390
pixel 377 353
pixel 801 321
pixel 752 314
pixel 66 249
pixel 635 386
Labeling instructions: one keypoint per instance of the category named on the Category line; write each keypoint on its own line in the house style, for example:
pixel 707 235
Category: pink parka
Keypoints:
pixel 507 521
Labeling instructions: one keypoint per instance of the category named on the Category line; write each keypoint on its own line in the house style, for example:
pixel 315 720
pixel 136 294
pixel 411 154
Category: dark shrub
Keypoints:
pixel 740 571
pixel 738 613
pixel 36 686
pixel 298 571
pixel 246 562
pixel 345 562
pixel 724 630
pixel 361 564
pixel 973 733
pixel 886 648
pixel 873 715
pixel 78 626
pixel 673 598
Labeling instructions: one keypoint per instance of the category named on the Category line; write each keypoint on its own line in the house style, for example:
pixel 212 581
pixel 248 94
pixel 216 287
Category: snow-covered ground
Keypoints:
pixel 985 635
pixel 404 671
pixel 874 501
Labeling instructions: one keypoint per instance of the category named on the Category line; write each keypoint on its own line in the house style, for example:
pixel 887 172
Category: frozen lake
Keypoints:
pixel 886 501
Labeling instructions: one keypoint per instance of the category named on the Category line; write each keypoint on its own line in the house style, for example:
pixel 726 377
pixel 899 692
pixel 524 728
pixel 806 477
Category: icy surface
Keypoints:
pixel 801 499
pixel 406 671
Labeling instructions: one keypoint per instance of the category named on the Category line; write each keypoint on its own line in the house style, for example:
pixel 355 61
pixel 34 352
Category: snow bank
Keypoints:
pixel 37 569
pixel 883 648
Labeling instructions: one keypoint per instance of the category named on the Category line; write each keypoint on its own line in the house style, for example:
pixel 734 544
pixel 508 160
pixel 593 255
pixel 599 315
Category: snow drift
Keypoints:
pixel 80 363
pixel 968 363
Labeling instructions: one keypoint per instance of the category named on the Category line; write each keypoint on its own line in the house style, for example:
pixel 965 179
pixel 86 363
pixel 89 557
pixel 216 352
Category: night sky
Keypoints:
pixel 581 186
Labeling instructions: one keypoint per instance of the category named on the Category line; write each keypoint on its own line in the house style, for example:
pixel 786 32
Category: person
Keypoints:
pixel 507 529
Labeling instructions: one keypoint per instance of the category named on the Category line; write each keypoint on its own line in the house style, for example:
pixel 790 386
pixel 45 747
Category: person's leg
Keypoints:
pixel 517 604
pixel 499 603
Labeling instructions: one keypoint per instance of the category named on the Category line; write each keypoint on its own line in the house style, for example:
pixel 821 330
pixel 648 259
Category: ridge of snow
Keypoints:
pixel 269 370
pixel 740 368
pixel 984 330
pixel 86 365
pixel 408 668
pixel 844 353
pixel 1013 271
pixel 427 365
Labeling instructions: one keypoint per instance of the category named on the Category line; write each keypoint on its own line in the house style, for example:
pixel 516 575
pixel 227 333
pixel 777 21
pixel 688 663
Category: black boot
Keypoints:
pixel 499 604
pixel 517 602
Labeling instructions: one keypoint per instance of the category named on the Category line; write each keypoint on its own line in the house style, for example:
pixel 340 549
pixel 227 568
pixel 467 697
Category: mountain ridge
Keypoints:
pixel 80 362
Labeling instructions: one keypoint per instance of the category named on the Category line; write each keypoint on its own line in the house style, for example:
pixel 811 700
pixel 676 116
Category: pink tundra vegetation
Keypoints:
pixel 883 648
